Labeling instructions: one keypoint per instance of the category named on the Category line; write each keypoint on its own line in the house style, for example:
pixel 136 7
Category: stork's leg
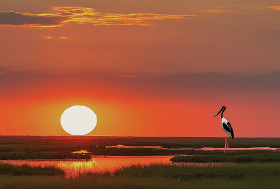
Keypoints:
pixel 225 144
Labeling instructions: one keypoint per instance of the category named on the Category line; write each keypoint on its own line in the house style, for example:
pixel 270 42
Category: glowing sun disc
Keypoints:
pixel 78 120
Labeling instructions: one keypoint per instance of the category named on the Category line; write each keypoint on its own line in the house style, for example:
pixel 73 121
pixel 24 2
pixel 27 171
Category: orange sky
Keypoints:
pixel 145 68
pixel 140 106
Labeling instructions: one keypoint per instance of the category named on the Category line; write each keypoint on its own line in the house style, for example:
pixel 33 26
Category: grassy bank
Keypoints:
pixel 25 182
pixel 29 147
pixel 6 169
pixel 28 154
pixel 252 175
pixel 238 157
pixel 225 171
pixel 72 142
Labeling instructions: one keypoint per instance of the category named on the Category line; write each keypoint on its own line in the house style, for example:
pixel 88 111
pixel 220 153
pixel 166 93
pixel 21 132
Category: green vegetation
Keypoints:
pixel 253 175
pixel 255 169
pixel 29 154
pixel 7 169
pixel 29 147
pixel 222 171
pixel 238 157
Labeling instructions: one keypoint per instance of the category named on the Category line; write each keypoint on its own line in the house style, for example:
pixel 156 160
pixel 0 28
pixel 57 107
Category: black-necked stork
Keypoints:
pixel 226 126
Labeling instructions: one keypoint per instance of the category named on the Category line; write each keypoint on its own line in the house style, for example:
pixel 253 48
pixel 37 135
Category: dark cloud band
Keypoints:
pixel 14 18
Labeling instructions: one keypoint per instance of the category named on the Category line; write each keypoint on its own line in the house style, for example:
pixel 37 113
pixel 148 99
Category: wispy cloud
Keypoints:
pixel 184 83
pixel 129 76
pixel 82 15
pixel 54 37
pixel 217 11
pixel 274 7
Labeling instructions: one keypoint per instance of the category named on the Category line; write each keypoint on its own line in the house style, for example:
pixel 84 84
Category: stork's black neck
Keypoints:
pixel 222 114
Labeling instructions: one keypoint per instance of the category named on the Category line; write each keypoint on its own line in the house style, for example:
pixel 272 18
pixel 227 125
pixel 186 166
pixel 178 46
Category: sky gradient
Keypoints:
pixel 149 68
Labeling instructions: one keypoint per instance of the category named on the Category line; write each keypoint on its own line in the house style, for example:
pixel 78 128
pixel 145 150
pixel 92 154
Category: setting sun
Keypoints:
pixel 78 120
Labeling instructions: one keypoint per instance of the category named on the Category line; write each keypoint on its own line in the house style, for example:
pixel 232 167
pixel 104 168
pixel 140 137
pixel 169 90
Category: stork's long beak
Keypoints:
pixel 219 112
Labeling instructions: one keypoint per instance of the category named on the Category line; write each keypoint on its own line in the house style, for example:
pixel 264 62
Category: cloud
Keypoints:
pixel 274 7
pixel 47 37
pixel 129 76
pixel 82 15
pixel 177 84
pixel 15 18
pixel 4 69
pixel 217 11
pixel 59 74
pixel 54 37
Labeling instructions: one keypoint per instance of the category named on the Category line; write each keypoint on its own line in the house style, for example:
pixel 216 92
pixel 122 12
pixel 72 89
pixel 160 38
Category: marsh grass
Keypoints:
pixel 249 175
pixel 255 169
pixel 14 155
pixel 36 147
pixel 238 157
pixel 47 182
pixel 6 169
pixel 225 171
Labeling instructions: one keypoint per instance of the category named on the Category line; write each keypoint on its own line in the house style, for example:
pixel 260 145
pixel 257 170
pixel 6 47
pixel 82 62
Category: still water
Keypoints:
pixel 203 149
pixel 101 164
pixel 239 149
pixel 97 164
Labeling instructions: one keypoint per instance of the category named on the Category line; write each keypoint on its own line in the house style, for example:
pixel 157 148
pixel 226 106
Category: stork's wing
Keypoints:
pixel 228 128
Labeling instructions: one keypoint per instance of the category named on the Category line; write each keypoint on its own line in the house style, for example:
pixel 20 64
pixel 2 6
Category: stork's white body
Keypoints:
pixel 225 123
pixel 224 120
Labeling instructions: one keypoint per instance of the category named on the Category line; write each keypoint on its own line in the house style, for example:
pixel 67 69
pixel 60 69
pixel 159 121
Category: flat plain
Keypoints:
pixel 191 167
